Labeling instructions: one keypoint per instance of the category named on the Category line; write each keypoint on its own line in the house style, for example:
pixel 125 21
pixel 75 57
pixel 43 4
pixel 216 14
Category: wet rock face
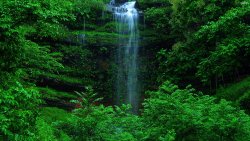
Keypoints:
pixel 120 1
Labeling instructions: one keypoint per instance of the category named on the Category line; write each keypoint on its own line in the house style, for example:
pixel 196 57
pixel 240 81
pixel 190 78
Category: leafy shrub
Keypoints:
pixel 244 101
pixel 90 122
pixel 102 123
pixel 45 125
pixel 158 17
pixel 193 116
pixel 18 110
pixel 237 92
pixel 44 131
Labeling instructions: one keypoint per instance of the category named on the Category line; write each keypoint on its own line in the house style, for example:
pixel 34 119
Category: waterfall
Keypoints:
pixel 127 84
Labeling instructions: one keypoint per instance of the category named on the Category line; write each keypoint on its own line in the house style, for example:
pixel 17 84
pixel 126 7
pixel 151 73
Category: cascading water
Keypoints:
pixel 127 84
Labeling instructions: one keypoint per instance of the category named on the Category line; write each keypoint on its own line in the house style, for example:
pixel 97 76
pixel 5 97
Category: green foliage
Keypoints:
pixel 90 122
pixel 227 56
pixel 94 37
pixel 87 12
pixel 40 60
pixel 87 99
pixel 158 17
pixel 51 15
pixel 156 13
pixel 169 114
pixel 26 21
pixel 212 41
pixel 193 116
pixel 18 106
pixel 243 101
pixel 53 114
pixel 45 129
pixel 103 123
pixel 76 56
pixel 54 94
pixel 108 27
pixel 226 59
pixel 189 15
pixel 63 78
pixel 144 4
pixel 236 92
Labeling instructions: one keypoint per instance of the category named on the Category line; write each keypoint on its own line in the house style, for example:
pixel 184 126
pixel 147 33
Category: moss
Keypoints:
pixel 96 38
pixel 45 124
pixel 55 94
pixel 64 78
pixel 53 114
pixel 45 132
pixel 109 27
pixel 96 33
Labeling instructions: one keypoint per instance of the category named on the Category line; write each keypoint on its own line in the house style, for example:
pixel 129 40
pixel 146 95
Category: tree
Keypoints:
pixel 210 50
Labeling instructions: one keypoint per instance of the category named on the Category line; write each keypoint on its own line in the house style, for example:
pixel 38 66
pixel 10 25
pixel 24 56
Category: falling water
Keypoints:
pixel 127 85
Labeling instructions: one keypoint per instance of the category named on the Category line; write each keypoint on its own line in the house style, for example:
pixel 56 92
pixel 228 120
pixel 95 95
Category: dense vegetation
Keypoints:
pixel 57 71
